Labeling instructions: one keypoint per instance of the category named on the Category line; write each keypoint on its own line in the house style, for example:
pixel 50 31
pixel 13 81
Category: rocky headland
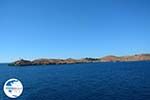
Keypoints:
pixel 111 58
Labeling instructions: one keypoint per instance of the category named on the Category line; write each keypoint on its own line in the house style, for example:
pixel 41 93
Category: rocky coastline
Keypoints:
pixel 110 58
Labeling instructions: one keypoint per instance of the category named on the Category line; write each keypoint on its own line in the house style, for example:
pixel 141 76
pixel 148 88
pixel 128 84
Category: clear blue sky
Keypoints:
pixel 73 28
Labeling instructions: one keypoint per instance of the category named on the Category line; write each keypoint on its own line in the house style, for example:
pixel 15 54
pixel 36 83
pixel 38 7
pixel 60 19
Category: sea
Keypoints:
pixel 89 81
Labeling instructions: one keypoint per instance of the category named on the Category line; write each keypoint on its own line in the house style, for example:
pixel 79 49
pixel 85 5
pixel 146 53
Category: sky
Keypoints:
pixel 33 29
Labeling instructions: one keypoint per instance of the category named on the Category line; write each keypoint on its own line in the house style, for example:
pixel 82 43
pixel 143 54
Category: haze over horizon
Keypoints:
pixel 32 29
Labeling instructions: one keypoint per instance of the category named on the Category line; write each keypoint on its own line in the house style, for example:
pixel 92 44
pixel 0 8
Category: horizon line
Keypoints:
pixel 75 57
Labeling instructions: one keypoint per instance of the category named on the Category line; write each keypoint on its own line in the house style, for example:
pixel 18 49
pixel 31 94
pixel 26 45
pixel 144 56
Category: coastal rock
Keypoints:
pixel 21 62
pixel 87 60
pixel 140 57
pixel 111 58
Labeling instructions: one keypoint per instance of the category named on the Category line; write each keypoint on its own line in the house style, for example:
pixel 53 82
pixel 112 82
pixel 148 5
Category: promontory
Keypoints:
pixel 110 58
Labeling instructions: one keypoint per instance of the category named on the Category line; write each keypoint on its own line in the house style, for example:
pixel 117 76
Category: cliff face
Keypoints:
pixel 140 57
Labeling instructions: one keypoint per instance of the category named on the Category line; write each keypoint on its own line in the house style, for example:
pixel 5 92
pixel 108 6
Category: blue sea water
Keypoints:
pixel 91 81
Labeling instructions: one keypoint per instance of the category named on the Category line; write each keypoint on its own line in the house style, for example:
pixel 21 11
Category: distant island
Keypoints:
pixel 110 58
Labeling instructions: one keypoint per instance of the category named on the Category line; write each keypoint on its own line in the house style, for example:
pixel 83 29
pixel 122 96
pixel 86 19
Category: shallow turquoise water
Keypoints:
pixel 92 81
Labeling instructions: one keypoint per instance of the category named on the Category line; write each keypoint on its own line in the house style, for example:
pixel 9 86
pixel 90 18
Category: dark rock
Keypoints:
pixel 21 62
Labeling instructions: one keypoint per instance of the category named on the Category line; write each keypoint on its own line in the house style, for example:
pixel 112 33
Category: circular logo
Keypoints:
pixel 13 88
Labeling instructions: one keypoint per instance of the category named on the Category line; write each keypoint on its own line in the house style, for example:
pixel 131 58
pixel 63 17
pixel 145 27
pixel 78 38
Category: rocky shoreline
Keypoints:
pixel 111 58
